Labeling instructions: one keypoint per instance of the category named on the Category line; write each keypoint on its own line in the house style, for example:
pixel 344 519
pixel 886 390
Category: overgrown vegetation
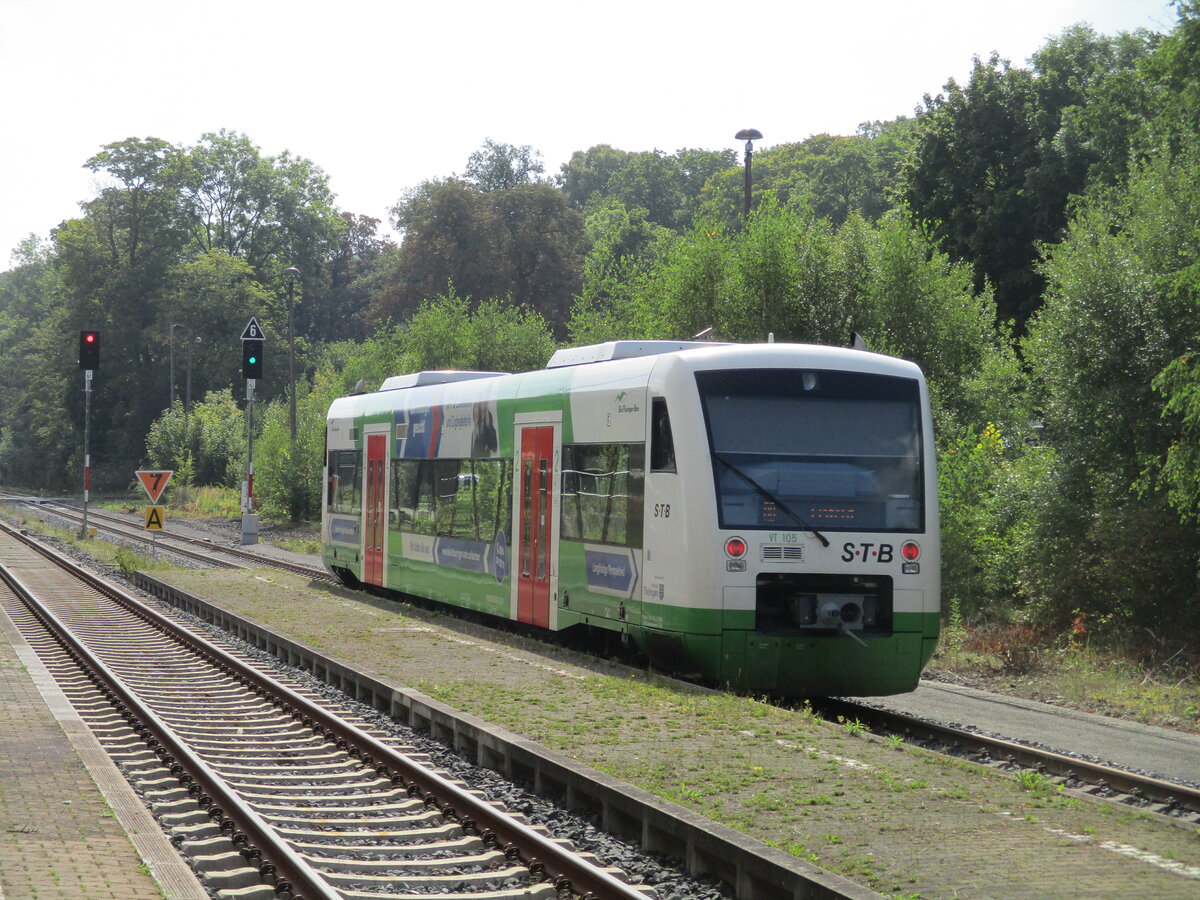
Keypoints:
pixel 1140 676
pixel 1028 237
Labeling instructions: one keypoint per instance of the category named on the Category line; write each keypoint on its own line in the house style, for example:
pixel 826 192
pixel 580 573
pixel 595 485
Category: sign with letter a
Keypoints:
pixel 154 518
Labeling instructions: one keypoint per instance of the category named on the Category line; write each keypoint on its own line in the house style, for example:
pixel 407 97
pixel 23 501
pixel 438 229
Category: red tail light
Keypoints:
pixel 735 548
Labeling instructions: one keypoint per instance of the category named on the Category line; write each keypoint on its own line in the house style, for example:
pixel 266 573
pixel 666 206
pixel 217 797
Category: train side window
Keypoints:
pixel 602 493
pixel 662 444
pixel 331 469
pixel 405 484
pixel 469 499
pixel 345 471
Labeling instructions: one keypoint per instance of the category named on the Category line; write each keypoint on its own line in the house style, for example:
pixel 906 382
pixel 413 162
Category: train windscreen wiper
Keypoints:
pixel 770 496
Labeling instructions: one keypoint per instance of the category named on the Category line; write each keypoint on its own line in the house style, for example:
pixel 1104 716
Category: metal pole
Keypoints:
pixel 249 445
pixel 87 454
pixel 249 519
pixel 749 135
pixel 291 272
pixel 172 406
pixel 749 155
pixel 187 397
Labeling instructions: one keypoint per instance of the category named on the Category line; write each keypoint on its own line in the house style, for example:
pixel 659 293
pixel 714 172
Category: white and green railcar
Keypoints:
pixel 763 516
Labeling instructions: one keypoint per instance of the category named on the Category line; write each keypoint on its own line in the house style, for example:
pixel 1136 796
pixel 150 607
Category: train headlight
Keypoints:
pixel 735 548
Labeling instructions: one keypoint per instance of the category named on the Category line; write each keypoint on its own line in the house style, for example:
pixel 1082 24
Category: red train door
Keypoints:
pixel 533 540
pixel 375 532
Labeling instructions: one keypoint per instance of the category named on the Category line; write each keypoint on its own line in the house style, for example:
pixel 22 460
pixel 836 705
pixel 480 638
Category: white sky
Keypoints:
pixel 383 94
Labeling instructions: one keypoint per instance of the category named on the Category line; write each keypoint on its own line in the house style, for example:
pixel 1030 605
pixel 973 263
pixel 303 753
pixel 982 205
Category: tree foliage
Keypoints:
pixel 993 167
pixel 665 188
pixel 501 167
pixel 832 177
pixel 521 243
pixel 205 445
pixel 1028 237
pixel 796 277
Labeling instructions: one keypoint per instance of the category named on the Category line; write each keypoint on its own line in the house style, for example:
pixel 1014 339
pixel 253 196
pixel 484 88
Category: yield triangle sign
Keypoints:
pixel 155 482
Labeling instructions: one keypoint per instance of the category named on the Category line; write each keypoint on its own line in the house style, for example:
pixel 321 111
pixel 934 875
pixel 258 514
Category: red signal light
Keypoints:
pixel 911 551
pixel 735 548
pixel 89 350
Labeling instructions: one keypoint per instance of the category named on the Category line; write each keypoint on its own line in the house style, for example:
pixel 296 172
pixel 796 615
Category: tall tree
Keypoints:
pixel 588 172
pixel 500 167
pixel 334 308
pixel 523 243
pixel 210 298
pixel 994 166
pixel 1121 305
pixel 36 447
pixel 667 187
pixel 1174 73
pixel 975 146
pixel 113 264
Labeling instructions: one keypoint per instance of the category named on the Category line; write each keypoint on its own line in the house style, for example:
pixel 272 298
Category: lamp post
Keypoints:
pixel 172 342
pixel 749 135
pixel 291 272
pixel 187 395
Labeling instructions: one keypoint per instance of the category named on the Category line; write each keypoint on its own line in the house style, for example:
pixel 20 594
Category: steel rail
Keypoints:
pixel 219 801
pixel 128 531
pixel 997 750
pixel 209 545
pixel 537 851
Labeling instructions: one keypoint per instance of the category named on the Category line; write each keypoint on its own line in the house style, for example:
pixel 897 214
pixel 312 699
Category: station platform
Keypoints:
pixel 71 827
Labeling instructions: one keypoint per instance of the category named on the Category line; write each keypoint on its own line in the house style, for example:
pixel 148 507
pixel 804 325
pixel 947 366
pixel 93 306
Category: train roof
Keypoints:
pixel 580 367
pixel 610 350
pixel 441 376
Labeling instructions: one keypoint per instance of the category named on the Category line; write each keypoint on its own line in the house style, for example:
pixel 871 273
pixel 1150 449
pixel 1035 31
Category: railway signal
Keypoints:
pixel 89 362
pixel 252 352
pixel 252 359
pixel 89 350
pixel 252 349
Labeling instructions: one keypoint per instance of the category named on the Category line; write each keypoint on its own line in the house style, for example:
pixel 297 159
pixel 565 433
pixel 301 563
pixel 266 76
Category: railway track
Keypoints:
pixel 260 782
pixel 1180 802
pixel 195 549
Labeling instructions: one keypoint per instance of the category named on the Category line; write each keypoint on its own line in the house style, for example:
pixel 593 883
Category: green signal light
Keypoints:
pixel 252 359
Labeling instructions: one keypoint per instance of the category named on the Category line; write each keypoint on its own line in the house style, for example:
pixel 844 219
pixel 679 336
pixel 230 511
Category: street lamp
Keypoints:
pixel 291 272
pixel 749 135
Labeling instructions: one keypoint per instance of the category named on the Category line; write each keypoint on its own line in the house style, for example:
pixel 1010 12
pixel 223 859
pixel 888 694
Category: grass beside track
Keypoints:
pixel 1157 688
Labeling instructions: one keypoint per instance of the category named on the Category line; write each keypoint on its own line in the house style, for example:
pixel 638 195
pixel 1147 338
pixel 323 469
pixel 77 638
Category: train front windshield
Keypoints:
pixel 820 449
